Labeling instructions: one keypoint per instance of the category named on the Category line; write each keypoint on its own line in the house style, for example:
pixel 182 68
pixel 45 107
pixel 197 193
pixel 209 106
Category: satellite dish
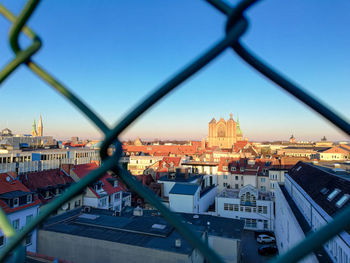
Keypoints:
pixel 65 206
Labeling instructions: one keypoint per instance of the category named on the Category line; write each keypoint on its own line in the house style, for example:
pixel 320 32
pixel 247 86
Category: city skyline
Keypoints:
pixel 298 48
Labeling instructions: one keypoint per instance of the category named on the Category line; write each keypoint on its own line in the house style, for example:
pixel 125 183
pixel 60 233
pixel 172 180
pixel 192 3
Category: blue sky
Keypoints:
pixel 113 53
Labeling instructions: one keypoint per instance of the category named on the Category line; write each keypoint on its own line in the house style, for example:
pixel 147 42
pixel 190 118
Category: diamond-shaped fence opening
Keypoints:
pixel 235 28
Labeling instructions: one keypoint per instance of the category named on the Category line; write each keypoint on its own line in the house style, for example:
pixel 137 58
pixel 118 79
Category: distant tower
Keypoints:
pixel 292 139
pixel 239 133
pixel 40 127
pixel 34 133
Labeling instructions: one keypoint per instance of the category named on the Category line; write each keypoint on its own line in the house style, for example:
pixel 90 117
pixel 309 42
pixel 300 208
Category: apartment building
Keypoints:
pixel 248 204
pixel 309 198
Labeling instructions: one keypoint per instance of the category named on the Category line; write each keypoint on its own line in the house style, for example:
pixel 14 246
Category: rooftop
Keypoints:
pixel 184 189
pixel 149 230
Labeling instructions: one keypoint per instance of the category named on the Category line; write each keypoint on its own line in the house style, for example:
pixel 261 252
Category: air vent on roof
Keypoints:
pixel 342 200
pixel 333 194
pixel 324 191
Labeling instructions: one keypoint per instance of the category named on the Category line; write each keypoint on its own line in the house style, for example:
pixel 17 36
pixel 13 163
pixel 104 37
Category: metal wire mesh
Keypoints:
pixel 235 28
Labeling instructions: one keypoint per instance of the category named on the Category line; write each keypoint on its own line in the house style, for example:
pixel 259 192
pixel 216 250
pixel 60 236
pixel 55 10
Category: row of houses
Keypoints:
pixel 22 196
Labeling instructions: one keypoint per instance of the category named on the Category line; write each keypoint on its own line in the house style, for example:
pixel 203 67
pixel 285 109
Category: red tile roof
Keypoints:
pixel 82 170
pixel 10 186
pixel 44 179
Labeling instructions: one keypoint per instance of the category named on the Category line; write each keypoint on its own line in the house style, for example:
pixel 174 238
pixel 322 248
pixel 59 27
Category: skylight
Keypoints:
pixel 333 194
pixel 342 200
pixel 158 226
pixel 324 191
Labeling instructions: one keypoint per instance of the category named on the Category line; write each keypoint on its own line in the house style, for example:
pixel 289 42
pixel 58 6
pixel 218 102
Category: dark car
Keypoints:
pixel 268 250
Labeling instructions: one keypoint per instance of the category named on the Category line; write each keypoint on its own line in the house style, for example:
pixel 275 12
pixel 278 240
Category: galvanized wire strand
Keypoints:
pixel 47 210
pixel 176 221
pixel 236 26
pixel 22 56
pixel 174 82
pixel 316 239
pixel 309 100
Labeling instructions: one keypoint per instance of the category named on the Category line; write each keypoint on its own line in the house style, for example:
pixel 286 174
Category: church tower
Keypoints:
pixel 224 134
pixel 40 127
pixel 34 132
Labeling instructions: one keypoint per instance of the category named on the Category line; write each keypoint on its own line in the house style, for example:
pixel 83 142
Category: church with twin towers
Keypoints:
pixel 224 134
pixel 40 131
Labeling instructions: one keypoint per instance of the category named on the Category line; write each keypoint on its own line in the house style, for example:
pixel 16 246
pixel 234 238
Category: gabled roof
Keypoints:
pixel 10 187
pixel 44 179
pixel 184 189
pixel 319 182
pixel 82 170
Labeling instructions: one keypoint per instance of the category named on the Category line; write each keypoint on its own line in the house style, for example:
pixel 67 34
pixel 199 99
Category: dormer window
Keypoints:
pixel 29 199
pixel 342 200
pixel 116 183
pixel 47 194
pixel 15 202
pixel 333 194
pixel 242 169
pixel 233 169
pixel 57 191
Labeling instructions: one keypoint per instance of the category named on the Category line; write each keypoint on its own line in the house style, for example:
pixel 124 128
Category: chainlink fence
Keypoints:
pixel 236 26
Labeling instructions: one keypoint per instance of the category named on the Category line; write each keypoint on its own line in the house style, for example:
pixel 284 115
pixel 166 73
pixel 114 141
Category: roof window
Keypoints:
pixel 342 200
pixel 333 194
pixel 298 168
pixel 324 191
pixel 158 226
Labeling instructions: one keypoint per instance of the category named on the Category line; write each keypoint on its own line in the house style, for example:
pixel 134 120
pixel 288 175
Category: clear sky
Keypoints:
pixel 113 53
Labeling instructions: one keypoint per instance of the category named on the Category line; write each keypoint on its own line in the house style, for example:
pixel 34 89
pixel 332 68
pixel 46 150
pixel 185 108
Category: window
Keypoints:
pixel 233 169
pixel 262 180
pixel 248 209
pixel 15 202
pixel 2 240
pixel 333 194
pixel 342 200
pixel 225 184
pixel 264 211
pixel 236 186
pixel 77 203
pixel 28 219
pixel 263 188
pixel 226 206
pixel 29 199
pixel 15 224
pixel 28 239
pixel 266 225
pixel 235 207
pixel 225 176
pixel 224 168
pixel 242 169
pixel 236 177
pixel 57 191
pixel 116 183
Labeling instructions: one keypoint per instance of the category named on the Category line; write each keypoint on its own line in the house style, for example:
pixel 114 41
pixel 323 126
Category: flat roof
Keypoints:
pixel 150 230
pixel 184 189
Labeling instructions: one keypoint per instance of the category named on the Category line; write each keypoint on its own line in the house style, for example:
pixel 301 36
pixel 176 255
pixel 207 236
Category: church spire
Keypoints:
pixel 34 133
pixel 40 127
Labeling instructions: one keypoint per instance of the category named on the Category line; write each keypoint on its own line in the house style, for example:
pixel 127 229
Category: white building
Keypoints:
pixel 187 193
pixel 249 204
pixel 310 197
pixel 20 206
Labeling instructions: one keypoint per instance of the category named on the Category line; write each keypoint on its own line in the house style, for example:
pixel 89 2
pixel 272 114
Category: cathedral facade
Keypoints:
pixel 224 134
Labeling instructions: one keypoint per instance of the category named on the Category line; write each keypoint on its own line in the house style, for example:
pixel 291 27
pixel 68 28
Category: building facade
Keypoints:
pixel 224 134
pixel 248 204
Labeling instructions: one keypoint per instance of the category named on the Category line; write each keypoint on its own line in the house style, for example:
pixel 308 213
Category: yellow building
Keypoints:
pixel 224 134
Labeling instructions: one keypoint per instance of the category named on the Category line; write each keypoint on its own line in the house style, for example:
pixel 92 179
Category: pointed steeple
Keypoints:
pixel 238 130
pixel 40 127
pixel 34 133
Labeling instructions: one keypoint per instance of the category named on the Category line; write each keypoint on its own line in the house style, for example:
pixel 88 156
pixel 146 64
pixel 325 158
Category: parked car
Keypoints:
pixel 263 232
pixel 268 250
pixel 263 239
